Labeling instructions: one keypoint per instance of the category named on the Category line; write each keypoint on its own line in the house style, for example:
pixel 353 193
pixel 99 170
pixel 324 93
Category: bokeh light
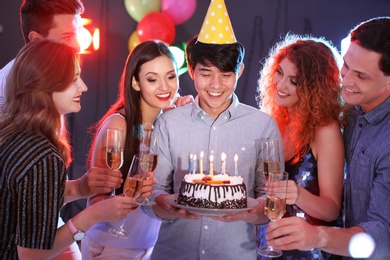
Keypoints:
pixel 86 38
pixel 361 245
pixel 178 50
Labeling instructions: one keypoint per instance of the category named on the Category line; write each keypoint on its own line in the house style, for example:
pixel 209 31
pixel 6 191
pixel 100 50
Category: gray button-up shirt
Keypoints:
pixel 189 130
pixel 367 148
pixel 3 78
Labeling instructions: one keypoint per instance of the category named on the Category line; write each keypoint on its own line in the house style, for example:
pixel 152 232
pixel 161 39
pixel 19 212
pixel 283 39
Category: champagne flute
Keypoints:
pixel 132 188
pixel 149 161
pixel 114 150
pixel 271 156
pixel 275 205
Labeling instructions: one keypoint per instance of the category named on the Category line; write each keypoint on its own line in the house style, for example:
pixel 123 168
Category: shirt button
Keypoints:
pixel 205 227
pixel 360 125
pixel 203 252
pixel 214 128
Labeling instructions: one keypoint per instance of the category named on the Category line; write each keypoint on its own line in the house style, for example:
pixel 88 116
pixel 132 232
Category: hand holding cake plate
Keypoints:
pixel 172 200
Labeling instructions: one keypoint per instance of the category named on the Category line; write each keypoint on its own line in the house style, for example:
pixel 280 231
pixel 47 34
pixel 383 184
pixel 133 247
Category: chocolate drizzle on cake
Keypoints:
pixel 213 196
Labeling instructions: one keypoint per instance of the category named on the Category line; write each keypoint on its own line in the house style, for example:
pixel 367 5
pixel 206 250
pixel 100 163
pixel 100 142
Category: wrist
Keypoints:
pixel 76 233
pixel 71 190
pixel 321 238
pixel 80 185
pixel 259 217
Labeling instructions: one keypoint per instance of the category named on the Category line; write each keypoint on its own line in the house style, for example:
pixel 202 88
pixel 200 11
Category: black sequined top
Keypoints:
pixel 305 175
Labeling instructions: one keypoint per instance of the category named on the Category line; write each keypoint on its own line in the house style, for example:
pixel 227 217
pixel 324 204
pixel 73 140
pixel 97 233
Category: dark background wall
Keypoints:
pixel 258 24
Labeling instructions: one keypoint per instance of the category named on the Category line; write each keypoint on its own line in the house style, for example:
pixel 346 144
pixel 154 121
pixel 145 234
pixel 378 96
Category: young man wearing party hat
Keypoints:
pixel 216 122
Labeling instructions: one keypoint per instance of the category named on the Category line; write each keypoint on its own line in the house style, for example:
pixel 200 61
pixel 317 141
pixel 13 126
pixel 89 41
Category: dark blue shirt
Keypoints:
pixel 367 194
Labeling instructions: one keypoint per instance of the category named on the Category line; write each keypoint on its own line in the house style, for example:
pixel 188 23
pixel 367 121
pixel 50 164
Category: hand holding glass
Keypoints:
pixel 275 205
pixel 132 188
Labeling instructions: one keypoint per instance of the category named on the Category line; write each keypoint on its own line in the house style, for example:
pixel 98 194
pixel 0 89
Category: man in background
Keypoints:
pixel 59 21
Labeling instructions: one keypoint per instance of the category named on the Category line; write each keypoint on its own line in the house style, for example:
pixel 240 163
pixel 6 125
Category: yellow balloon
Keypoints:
pixel 137 9
pixel 133 40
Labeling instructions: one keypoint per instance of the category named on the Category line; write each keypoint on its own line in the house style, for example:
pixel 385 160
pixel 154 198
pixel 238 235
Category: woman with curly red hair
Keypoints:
pixel 300 87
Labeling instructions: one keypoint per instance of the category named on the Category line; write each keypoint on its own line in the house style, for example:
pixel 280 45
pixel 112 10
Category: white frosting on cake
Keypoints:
pixel 216 193
pixel 234 180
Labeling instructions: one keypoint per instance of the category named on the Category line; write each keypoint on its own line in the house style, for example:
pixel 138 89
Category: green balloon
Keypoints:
pixel 137 9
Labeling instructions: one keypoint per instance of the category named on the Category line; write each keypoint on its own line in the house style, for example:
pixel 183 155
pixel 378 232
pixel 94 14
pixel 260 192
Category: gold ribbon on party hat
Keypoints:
pixel 216 28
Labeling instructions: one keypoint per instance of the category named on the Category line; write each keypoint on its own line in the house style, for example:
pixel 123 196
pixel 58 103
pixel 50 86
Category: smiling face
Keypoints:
pixel 215 88
pixel 158 83
pixel 363 82
pixel 285 80
pixel 68 101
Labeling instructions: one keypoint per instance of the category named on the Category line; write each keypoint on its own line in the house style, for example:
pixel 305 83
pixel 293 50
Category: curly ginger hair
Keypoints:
pixel 318 88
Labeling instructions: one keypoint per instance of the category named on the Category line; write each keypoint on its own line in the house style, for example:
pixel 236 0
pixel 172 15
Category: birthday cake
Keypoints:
pixel 214 192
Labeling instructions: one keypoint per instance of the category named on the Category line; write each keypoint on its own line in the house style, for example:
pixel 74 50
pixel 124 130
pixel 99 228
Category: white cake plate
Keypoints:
pixel 172 199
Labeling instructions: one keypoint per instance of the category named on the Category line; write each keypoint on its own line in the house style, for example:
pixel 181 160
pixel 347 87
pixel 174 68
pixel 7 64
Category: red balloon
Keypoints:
pixel 156 26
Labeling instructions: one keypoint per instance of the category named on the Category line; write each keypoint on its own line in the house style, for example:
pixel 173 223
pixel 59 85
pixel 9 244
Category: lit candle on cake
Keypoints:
pixel 191 164
pixel 211 173
pixel 201 163
pixel 235 165
pixel 194 169
pixel 223 167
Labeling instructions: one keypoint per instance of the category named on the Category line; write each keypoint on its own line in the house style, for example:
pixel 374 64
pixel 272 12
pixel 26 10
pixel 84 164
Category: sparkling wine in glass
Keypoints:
pixel 271 157
pixel 114 149
pixel 275 205
pixel 149 161
pixel 132 188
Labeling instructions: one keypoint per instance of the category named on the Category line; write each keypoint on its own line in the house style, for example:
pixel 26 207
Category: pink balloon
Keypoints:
pixel 179 10
pixel 156 26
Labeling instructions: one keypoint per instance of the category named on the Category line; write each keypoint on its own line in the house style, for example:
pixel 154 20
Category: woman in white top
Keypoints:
pixel 149 84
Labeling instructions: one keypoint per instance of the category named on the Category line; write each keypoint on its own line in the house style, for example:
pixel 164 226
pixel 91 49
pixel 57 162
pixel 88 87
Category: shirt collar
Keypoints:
pixel 229 112
pixel 378 113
